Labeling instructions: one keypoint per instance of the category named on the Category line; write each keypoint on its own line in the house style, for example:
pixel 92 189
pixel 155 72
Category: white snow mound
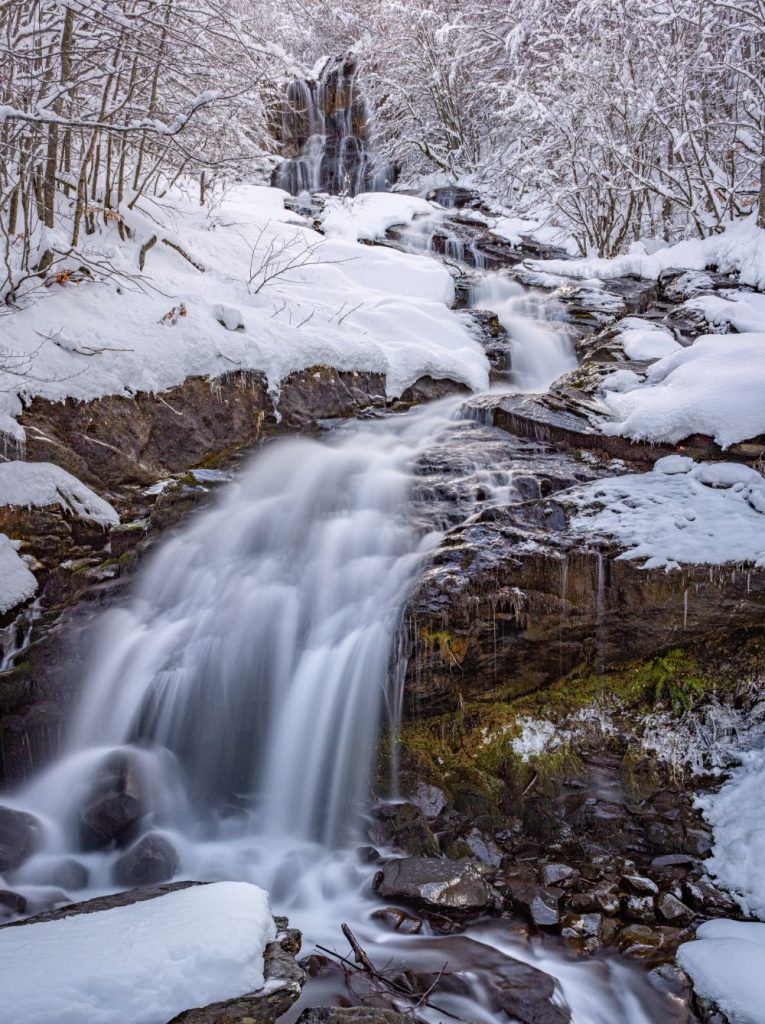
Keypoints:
pixel 17 583
pixel 39 484
pixel 142 963
pixel 727 965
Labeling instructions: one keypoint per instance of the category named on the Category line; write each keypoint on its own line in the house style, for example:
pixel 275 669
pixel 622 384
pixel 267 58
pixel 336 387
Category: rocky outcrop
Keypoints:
pixel 20 836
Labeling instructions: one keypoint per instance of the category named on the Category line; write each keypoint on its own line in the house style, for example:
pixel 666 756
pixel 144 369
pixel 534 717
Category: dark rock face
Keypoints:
pixel 11 904
pixel 20 836
pixel 116 804
pixel 455 197
pixel 151 860
pixel 436 884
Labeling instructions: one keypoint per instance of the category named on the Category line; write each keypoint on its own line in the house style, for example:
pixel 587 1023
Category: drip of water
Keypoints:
pixel 541 346
pixel 325 123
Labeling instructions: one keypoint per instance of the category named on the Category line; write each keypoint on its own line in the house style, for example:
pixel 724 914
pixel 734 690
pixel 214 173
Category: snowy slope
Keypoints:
pixel 142 963
pixel 352 307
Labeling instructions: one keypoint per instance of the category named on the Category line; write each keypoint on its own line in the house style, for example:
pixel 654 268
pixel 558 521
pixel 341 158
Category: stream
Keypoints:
pixel 245 682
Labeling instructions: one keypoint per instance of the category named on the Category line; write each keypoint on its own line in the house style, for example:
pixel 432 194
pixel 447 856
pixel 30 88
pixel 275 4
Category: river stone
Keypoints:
pixel 20 835
pixel 557 874
pixel 431 882
pixel 639 908
pixel 671 910
pixel 398 920
pixel 640 886
pixel 116 803
pixel 509 988
pixel 538 902
pixel 151 860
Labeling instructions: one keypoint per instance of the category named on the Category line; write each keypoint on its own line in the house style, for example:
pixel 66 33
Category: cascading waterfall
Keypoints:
pixel 325 131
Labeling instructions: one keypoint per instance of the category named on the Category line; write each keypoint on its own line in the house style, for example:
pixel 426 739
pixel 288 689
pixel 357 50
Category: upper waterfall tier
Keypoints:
pixel 325 132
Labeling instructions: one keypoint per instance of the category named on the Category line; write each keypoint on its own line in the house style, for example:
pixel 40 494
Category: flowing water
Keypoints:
pixel 249 674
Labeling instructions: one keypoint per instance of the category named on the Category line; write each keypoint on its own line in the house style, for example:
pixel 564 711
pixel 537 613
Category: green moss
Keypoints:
pixel 452 648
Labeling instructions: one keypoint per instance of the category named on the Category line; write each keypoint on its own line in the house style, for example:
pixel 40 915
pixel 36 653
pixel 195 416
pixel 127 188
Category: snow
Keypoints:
pixel 357 307
pixel 740 250
pixel 744 311
pixel 713 387
pixel 369 215
pixel 727 965
pixel 17 583
pixel 143 963
pixel 680 513
pixel 39 484
pixel 642 339
pixel 735 814
pixel 537 736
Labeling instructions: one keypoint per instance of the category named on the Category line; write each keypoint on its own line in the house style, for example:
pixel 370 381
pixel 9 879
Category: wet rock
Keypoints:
pixel 116 804
pixel 671 910
pixel 557 874
pixel 538 903
pixel 600 900
pixel 702 895
pixel 11 904
pixel 639 885
pixel 20 836
pixel 587 925
pixel 639 908
pixel 508 988
pixel 398 920
pixel 321 392
pixel 429 389
pixel 351 1015
pixel 62 872
pixel 585 304
pixel 483 849
pixel 454 197
pixel 698 842
pixel 434 883
pixel 673 860
pixel 639 940
pixel 671 980
pixel 151 860
pixel 368 855
pixel 404 825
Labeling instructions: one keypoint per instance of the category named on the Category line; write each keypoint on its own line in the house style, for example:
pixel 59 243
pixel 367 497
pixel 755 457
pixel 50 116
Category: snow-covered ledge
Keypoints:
pixel 186 952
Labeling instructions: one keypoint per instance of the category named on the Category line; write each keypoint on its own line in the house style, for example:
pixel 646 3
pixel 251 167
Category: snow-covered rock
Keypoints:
pixel 144 962
pixel 41 484
pixel 680 513
pixel 17 582
pixel 727 966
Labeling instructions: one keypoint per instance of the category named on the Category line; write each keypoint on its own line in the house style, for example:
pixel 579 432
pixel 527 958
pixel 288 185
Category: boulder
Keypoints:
pixel 20 836
pixel 398 920
pixel 671 910
pixel 116 804
pixel 539 903
pixel 403 825
pixel 151 860
pixel 437 884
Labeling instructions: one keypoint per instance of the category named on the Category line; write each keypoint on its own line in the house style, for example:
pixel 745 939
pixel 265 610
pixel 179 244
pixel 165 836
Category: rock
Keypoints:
pixel 639 939
pixel 639 908
pixel 11 903
pixel 671 910
pixel 454 197
pixel 673 860
pixel 351 1015
pixel 672 980
pixel 557 874
pixel 63 872
pixel 510 989
pixel 482 849
pixel 704 896
pixel 430 799
pixel 404 825
pixel 151 860
pixel 585 304
pixel 539 903
pixel 434 883
pixel 20 837
pixel 430 389
pixel 116 804
pixel 368 855
pixel 698 842
pixel 398 920
pixel 601 900
pixel 639 885
pixel 588 925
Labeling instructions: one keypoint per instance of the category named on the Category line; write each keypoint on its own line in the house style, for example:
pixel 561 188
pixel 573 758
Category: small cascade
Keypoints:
pixel 325 133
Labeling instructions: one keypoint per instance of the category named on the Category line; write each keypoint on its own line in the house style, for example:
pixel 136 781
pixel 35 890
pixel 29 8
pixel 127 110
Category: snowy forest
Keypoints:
pixel 382 512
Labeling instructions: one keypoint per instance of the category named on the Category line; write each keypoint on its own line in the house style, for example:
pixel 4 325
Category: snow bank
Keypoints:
pixel 39 484
pixel 17 583
pixel 642 339
pixel 744 311
pixel 370 214
pixel 142 963
pixel 727 965
pixel 350 306
pixel 716 387
pixel 735 814
pixel 680 513
pixel 740 249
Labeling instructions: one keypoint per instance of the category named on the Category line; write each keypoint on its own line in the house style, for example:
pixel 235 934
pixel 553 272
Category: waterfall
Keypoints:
pixel 540 345
pixel 325 132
